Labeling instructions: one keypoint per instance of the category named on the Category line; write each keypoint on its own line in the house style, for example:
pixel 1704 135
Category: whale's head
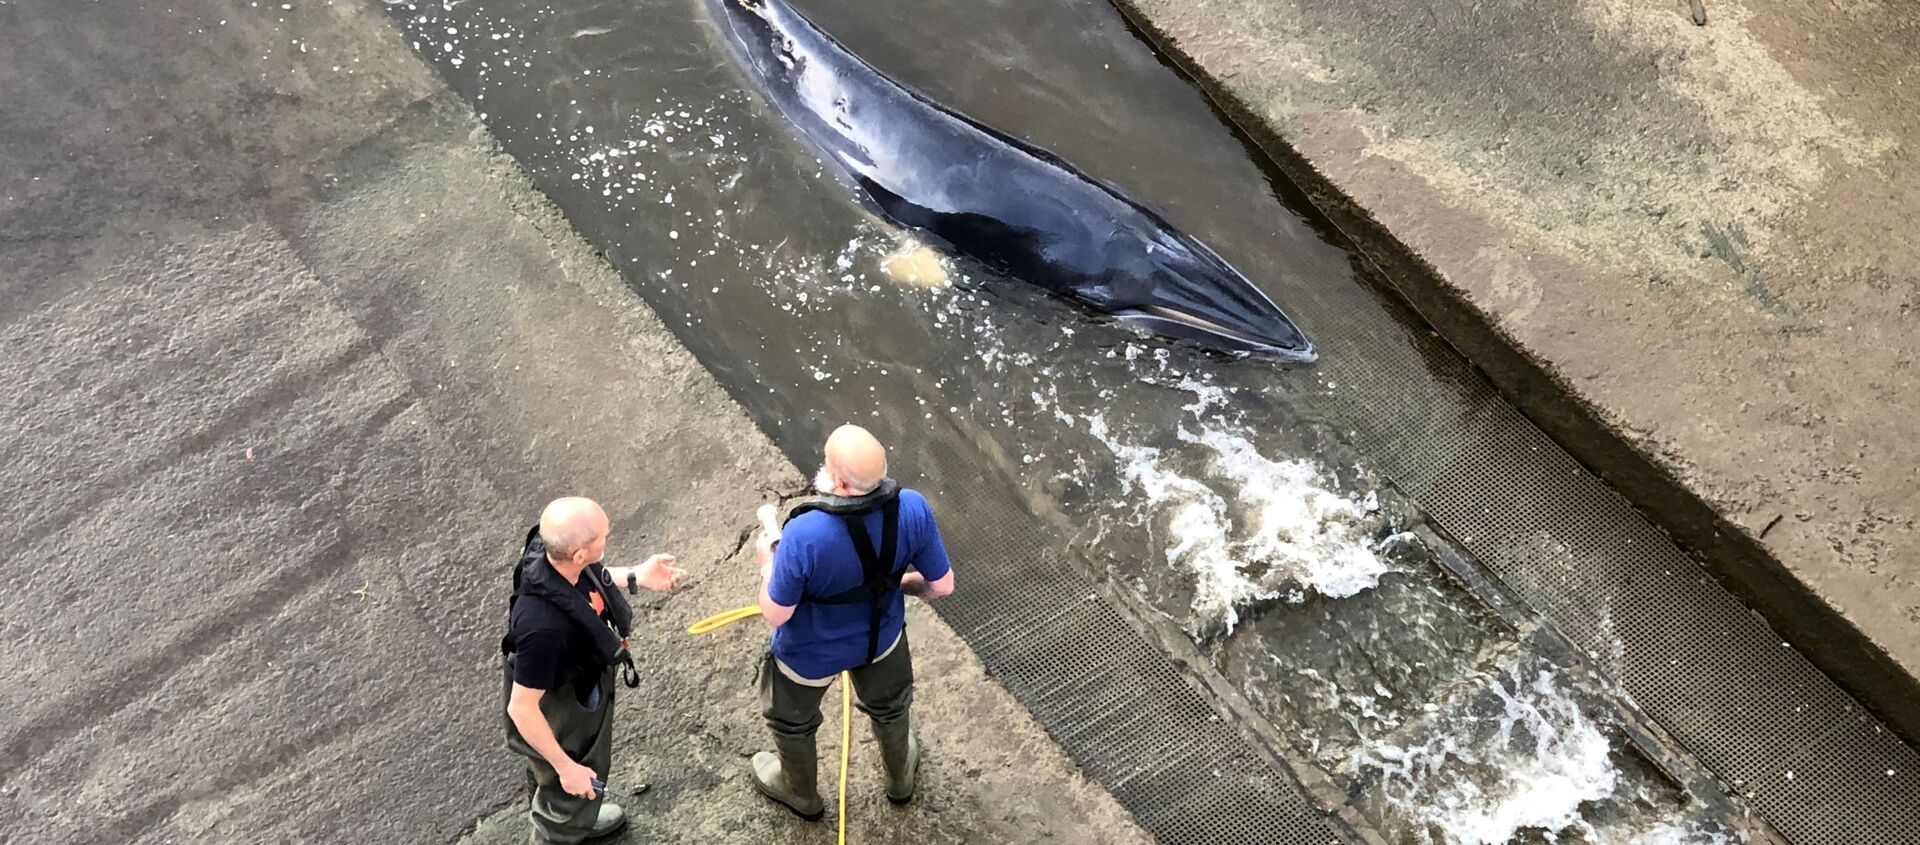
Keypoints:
pixel 751 29
pixel 1193 294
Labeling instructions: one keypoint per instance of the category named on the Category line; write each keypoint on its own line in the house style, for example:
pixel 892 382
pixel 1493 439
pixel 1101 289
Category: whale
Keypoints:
pixel 1017 209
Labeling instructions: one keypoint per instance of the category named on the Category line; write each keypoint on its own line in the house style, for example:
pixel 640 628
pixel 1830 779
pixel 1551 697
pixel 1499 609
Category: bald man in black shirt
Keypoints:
pixel 565 634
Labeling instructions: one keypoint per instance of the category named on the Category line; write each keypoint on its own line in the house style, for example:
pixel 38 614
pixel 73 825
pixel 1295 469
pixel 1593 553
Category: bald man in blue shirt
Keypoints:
pixel 834 583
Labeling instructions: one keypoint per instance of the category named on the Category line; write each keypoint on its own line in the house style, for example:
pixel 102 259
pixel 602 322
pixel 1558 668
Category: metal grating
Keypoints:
pixel 1805 753
pixel 1107 694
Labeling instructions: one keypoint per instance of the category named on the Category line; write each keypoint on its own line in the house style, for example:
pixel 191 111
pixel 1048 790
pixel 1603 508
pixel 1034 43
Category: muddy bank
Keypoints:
pixel 296 355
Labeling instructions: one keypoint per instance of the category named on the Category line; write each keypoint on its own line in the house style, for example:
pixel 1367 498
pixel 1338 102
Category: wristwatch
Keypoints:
pixel 633 583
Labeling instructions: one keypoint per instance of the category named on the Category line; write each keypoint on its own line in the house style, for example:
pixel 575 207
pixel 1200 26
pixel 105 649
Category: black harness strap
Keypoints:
pixel 878 577
pixel 527 550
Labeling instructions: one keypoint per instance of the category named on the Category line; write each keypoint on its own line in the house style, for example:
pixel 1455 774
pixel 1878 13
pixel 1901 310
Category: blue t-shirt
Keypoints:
pixel 816 558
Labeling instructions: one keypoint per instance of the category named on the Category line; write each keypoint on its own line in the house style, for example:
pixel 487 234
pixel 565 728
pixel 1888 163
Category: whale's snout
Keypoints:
pixel 1199 297
pixel 1282 340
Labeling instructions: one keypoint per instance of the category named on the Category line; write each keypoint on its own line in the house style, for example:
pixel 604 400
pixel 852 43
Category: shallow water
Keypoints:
pixel 1225 493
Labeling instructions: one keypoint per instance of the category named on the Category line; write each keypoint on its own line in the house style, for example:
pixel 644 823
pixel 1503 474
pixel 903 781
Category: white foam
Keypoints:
pixel 1545 759
pixel 1205 396
pixel 1303 534
pixel 1297 523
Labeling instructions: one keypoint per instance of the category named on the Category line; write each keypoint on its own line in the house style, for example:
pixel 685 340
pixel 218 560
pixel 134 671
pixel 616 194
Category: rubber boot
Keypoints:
pixel 791 777
pixel 611 819
pixel 900 754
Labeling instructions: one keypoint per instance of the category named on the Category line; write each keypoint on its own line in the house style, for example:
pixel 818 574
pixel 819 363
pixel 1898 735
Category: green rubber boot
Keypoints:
pixel 900 755
pixel 790 777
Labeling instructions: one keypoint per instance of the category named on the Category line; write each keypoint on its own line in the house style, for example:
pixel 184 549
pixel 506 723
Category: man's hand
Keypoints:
pixel 916 585
pixel 577 780
pixel 913 584
pixel 658 574
pixel 763 554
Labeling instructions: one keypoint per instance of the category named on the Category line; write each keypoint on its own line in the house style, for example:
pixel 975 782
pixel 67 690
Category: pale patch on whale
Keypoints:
pixel 916 265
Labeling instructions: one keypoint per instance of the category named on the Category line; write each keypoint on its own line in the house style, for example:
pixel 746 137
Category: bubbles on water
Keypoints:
pixel 496 47
pixel 1206 396
pixel 1543 760
pixel 1520 757
pixel 1278 531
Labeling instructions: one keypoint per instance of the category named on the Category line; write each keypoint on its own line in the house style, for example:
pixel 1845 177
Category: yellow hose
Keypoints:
pixel 722 620
pixel 846 745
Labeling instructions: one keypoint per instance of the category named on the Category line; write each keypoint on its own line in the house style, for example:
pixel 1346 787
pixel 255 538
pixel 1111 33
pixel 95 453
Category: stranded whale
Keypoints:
pixel 1003 202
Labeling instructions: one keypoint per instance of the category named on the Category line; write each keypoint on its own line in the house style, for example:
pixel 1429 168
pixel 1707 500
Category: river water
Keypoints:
pixel 1225 494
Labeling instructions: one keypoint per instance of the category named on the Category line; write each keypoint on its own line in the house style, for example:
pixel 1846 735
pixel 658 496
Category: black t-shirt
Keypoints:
pixel 548 648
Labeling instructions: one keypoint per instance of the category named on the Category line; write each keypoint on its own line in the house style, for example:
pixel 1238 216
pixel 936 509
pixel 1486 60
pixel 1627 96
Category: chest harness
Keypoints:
pixel 879 577
pixel 534 579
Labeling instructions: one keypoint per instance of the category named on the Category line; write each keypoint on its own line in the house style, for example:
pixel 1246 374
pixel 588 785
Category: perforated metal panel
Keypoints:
pixel 1107 694
pixel 1819 769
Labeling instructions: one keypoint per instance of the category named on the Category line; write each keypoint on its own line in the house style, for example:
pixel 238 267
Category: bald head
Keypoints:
pixel 572 526
pixel 856 462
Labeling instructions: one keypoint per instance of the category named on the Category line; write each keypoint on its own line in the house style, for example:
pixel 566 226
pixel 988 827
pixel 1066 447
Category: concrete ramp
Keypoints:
pixel 291 357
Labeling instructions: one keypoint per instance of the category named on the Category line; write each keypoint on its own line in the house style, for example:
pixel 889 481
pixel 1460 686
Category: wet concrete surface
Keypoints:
pixel 426 400
pixel 1696 238
pixel 291 356
pixel 1173 473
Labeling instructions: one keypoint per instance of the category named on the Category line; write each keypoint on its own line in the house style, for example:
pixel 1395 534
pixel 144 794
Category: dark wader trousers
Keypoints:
pixel 883 690
pixel 587 737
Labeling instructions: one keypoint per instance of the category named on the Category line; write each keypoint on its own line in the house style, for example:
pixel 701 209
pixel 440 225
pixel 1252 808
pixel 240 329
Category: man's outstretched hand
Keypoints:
pixel 659 574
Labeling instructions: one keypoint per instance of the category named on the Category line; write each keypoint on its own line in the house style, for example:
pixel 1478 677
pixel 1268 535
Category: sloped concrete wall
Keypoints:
pixel 1686 250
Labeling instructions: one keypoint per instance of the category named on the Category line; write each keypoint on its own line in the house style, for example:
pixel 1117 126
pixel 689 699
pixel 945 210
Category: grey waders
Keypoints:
pixel 791 775
pixel 882 690
pixel 587 737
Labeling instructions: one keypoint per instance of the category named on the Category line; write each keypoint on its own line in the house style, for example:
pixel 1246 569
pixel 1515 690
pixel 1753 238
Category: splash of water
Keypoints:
pixel 1296 522
pixel 1544 759
pixel 1288 534
pixel 1520 756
